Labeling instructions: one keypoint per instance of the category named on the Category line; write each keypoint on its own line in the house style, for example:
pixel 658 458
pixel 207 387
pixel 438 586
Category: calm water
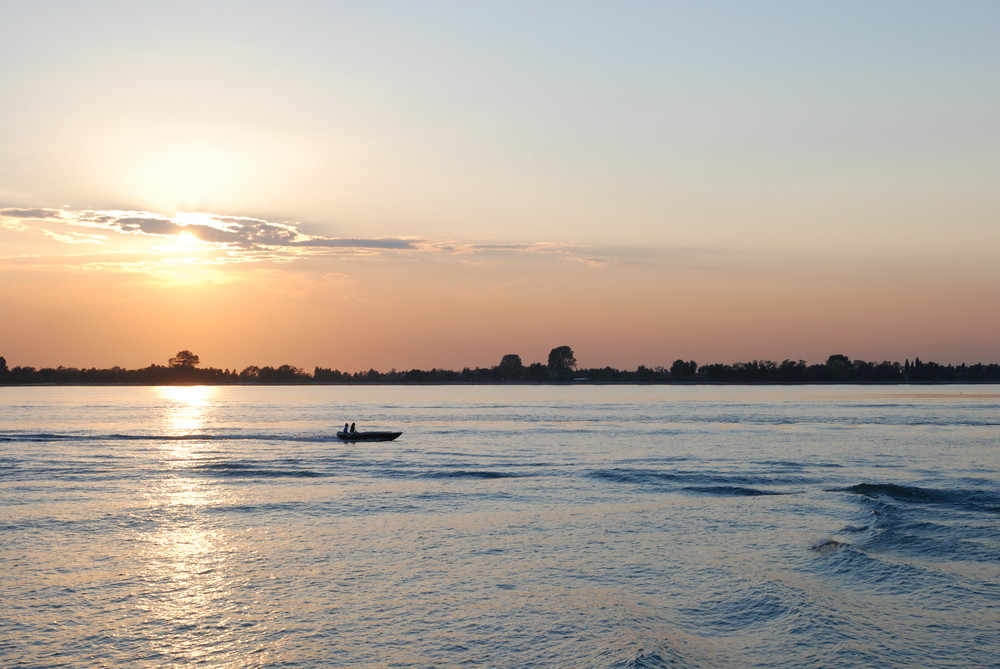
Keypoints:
pixel 635 526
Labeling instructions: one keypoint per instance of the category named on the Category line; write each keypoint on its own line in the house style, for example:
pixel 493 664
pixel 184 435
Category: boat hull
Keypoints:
pixel 367 436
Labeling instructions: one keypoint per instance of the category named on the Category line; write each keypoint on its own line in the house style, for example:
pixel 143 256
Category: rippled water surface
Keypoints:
pixel 537 526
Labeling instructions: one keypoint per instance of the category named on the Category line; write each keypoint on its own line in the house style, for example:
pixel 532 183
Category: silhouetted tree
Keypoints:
pixel 793 370
pixel 717 372
pixel 511 360
pixel 838 361
pixel 184 359
pixel 683 369
pixel 510 368
pixel 644 373
pixel 839 367
pixel 537 372
pixel 561 361
pixel 251 373
pixel 290 373
pixel 323 375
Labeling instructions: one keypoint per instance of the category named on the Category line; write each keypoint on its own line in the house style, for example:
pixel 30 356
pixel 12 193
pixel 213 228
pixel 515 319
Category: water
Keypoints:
pixel 579 526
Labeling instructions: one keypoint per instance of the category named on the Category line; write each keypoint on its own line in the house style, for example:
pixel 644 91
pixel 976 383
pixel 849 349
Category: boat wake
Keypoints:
pixel 29 437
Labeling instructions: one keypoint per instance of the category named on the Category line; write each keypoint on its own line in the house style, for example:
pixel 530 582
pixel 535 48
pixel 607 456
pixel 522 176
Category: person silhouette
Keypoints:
pixel 352 428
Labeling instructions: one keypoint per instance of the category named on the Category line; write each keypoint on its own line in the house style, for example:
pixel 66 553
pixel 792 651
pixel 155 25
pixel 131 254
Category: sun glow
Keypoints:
pixel 188 239
pixel 183 242
pixel 186 259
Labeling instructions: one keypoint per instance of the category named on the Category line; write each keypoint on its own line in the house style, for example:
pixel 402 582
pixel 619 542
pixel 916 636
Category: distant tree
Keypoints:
pixel 511 361
pixel 3 365
pixel 838 362
pixel 793 370
pixel 184 360
pixel 510 368
pixel 839 368
pixel 537 372
pixel 289 373
pixel 251 373
pixel 325 375
pixel 25 374
pixel 561 361
pixel 683 369
pixel 644 373
pixel 718 372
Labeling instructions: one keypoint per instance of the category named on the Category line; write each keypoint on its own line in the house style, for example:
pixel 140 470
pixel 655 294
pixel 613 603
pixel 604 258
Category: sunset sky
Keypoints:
pixel 437 184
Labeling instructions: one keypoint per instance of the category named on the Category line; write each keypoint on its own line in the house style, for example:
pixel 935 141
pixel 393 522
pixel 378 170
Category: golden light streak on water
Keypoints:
pixel 190 408
pixel 187 562
pixel 188 559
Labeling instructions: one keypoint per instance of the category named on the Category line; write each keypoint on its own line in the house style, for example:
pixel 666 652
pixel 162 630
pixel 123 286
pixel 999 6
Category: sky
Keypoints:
pixel 400 185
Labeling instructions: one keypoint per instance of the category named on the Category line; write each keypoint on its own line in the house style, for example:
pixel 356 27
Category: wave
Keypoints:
pixel 638 476
pixel 826 546
pixel 472 474
pixel 699 483
pixel 677 651
pixel 931 524
pixel 645 660
pixel 245 470
pixel 731 491
pixel 855 528
pixel 970 500
pixel 868 569
pixel 630 475
pixel 792 465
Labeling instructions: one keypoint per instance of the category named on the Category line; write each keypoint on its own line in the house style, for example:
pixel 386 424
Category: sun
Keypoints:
pixel 184 258
pixel 184 242
pixel 187 239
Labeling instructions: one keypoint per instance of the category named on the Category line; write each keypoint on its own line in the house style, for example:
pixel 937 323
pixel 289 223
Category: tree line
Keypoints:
pixel 561 367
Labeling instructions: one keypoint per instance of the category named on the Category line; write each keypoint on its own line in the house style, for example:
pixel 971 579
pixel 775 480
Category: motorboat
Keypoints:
pixel 367 436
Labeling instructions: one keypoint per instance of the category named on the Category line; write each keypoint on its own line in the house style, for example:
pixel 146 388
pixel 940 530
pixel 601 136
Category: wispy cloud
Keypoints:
pixel 30 213
pixel 75 237
pixel 570 252
pixel 235 232
pixel 248 239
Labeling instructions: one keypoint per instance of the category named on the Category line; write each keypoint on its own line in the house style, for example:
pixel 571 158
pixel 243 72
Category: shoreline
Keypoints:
pixel 516 383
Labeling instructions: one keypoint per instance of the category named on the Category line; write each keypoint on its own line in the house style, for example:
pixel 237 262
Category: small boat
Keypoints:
pixel 367 436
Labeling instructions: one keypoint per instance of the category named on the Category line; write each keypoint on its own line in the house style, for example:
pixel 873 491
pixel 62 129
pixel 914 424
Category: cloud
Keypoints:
pixel 235 232
pixel 249 239
pixel 148 226
pixel 13 225
pixel 379 243
pixel 569 252
pixel 75 237
pixel 30 213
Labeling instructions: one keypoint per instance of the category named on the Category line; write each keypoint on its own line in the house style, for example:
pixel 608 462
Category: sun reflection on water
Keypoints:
pixel 188 571
pixel 187 559
pixel 190 407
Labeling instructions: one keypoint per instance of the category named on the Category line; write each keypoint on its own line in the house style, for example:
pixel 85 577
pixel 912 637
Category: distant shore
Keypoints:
pixel 562 369
pixel 51 384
